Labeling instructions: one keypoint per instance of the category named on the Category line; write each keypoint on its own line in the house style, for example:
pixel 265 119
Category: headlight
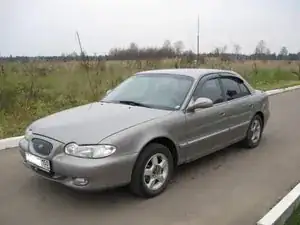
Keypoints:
pixel 89 151
pixel 28 134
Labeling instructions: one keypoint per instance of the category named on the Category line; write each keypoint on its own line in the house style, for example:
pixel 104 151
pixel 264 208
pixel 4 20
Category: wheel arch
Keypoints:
pixel 259 113
pixel 167 142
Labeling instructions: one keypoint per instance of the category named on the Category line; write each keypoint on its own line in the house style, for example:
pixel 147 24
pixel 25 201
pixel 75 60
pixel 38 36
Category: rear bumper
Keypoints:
pixel 100 173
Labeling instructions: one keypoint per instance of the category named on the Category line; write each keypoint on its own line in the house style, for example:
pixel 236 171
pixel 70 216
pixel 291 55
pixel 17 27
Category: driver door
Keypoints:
pixel 207 129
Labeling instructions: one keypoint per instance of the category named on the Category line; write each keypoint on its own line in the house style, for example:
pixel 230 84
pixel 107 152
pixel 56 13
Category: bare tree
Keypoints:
pixel 224 49
pixel 178 46
pixel 133 49
pixel 167 44
pixel 220 50
pixel 133 46
pixel 217 51
pixel 261 48
pixel 236 50
pixel 283 51
pixel 73 54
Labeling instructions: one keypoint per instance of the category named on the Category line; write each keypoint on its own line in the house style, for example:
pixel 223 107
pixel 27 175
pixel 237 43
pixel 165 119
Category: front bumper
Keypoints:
pixel 100 173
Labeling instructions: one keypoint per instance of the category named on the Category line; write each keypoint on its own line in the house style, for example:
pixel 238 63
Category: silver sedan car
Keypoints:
pixel 144 128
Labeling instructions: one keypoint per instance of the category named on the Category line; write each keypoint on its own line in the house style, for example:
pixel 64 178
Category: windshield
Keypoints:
pixel 152 90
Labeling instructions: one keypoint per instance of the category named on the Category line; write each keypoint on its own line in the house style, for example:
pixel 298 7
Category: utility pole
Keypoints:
pixel 79 42
pixel 198 34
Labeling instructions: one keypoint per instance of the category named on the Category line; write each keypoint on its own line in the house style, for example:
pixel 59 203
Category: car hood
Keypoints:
pixel 89 124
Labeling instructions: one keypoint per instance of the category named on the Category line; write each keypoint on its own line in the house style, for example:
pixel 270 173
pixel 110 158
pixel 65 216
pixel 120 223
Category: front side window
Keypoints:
pixel 210 89
pixel 244 90
pixel 152 90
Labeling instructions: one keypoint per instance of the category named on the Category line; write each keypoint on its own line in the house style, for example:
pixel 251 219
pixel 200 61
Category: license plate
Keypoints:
pixel 41 163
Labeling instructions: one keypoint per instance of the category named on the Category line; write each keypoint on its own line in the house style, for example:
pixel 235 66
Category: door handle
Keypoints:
pixel 222 113
pixel 251 106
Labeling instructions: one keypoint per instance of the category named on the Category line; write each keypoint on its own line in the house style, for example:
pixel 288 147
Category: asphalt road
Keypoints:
pixel 231 187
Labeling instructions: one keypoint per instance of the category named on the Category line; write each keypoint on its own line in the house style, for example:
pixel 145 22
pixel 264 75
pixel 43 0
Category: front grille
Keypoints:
pixel 41 146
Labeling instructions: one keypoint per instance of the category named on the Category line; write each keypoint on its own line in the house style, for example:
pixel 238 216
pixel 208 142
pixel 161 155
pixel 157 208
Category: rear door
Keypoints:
pixel 207 129
pixel 240 104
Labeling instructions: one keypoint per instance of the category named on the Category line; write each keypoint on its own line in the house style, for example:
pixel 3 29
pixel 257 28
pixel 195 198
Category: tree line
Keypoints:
pixel 173 50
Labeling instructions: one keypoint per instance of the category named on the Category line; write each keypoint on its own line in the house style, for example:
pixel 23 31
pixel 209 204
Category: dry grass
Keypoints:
pixel 32 90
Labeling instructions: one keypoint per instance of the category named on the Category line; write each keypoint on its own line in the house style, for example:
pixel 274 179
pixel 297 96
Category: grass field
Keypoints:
pixel 34 89
pixel 295 218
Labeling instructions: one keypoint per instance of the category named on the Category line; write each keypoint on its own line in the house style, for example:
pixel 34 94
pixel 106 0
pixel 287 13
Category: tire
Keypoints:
pixel 249 141
pixel 140 182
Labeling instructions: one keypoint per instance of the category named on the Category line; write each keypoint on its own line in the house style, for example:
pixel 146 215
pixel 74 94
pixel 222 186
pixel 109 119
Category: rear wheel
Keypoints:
pixel 152 171
pixel 254 132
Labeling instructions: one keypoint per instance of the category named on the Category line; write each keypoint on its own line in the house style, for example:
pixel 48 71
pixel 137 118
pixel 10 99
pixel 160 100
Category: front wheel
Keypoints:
pixel 254 132
pixel 152 172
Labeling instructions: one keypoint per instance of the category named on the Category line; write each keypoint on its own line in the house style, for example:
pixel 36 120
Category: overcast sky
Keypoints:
pixel 47 27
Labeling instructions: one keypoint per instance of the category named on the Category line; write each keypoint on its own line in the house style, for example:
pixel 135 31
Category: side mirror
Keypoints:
pixel 200 103
pixel 108 91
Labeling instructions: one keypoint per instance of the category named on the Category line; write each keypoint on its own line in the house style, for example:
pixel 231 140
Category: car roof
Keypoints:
pixel 191 72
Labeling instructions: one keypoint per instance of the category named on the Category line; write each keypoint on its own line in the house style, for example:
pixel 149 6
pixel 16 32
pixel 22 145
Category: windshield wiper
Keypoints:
pixel 128 102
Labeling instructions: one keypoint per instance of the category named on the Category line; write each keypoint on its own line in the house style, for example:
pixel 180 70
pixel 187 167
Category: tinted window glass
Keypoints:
pixel 244 90
pixel 153 90
pixel 234 89
pixel 210 89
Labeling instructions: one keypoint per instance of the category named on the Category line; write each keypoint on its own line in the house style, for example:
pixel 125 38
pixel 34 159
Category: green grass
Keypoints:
pixel 280 84
pixel 295 218
pixel 29 91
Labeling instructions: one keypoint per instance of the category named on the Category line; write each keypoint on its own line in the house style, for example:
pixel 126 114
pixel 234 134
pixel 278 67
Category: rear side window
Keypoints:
pixel 233 88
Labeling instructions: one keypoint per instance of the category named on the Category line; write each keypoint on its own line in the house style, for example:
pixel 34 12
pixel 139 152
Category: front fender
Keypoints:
pixel 133 140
